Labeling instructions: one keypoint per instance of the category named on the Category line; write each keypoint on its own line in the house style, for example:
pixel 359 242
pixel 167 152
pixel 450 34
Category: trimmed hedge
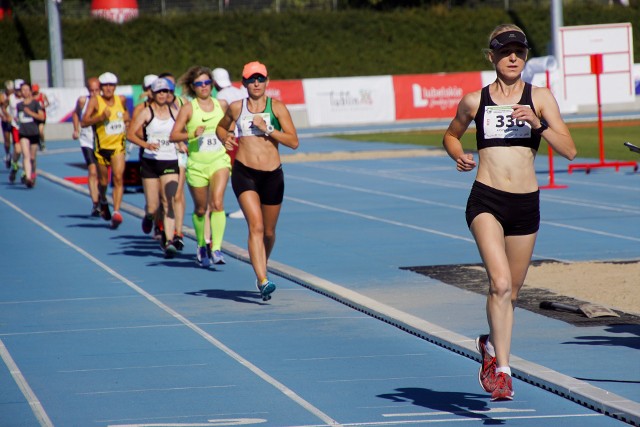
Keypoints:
pixel 293 45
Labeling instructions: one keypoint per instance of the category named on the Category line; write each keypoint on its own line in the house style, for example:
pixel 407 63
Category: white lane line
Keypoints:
pixel 430 414
pixel 600 184
pixel 617 207
pixel 181 325
pixel 371 356
pixel 382 193
pixel 146 390
pixel 592 231
pixel 461 208
pixel 126 368
pixel 27 392
pixel 405 225
pixel 67 331
pixel 378 219
pixel 184 417
pixel 209 338
pixel 56 300
pixel 210 423
pixel 476 420
pixel 426 377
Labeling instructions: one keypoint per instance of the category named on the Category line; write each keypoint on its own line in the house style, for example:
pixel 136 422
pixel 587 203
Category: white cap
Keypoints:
pixel 161 84
pixel 17 83
pixel 221 77
pixel 108 79
pixel 149 79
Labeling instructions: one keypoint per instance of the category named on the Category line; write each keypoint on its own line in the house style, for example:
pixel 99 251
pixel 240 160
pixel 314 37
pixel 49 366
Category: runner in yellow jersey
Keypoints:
pixel 108 115
pixel 208 164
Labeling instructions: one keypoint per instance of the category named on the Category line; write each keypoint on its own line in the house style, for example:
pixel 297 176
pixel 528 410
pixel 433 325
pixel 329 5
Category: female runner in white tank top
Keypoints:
pixel 150 129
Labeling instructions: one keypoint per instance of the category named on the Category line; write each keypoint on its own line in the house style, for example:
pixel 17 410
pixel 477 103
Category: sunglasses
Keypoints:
pixel 253 79
pixel 163 91
pixel 203 83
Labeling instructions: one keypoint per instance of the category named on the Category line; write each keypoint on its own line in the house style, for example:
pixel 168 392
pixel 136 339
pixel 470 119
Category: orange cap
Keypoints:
pixel 35 87
pixel 252 68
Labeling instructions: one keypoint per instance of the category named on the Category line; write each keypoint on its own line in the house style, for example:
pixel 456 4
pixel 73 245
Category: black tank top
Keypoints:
pixel 496 128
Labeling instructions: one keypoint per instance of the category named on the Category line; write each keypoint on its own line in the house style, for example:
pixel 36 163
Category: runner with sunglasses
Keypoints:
pixel 262 124
pixel 208 164
pixel 150 129
pixel 503 210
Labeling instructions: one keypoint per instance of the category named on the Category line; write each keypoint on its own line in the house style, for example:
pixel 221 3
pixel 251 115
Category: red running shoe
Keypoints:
pixel 504 388
pixel 487 372
pixel 116 220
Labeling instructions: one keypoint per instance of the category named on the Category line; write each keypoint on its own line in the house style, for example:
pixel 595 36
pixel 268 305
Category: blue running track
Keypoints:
pixel 98 329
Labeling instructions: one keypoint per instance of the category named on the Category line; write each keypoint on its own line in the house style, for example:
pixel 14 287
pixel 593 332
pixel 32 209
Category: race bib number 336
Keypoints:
pixel 499 124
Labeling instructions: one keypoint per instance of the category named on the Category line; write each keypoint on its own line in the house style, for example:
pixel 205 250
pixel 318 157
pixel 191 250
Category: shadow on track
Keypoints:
pixel 470 405
pixel 245 297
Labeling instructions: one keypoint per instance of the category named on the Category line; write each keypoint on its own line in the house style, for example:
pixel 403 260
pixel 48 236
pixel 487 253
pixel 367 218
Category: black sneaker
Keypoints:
pixel 7 161
pixel 178 243
pixel 169 250
pixel 147 224
pixel 12 175
pixel 95 210
pixel 105 212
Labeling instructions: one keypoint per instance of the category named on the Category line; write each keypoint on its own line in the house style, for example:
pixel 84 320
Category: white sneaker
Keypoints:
pixel 237 214
pixel 218 258
pixel 202 259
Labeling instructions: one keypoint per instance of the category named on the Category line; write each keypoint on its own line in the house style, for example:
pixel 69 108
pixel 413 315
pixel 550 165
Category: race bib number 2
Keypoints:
pixel 246 124
pixel 499 124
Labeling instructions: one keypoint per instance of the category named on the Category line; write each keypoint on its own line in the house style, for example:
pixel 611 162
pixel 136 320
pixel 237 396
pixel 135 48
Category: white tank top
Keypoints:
pixel 157 131
pixel 244 125
pixel 86 134
pixel 13 109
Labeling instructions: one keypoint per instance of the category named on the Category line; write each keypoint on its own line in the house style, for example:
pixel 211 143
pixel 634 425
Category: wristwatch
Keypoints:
pixel 269 130
pixel 542 128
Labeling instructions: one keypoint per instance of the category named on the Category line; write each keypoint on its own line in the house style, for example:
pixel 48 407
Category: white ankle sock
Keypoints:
pixel 504 370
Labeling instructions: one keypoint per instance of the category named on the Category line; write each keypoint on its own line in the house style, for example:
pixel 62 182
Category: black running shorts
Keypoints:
pixel 518 213
pixel 268 184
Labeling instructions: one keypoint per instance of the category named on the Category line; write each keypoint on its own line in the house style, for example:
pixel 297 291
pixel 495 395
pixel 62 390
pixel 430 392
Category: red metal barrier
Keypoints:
pixel 597 68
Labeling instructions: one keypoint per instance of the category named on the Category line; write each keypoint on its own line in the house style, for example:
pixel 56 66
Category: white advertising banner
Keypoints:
pixel 62 101
pixel 349 100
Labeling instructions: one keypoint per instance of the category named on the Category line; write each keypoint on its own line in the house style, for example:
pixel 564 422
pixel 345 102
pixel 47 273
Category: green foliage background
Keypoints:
pixel 293 44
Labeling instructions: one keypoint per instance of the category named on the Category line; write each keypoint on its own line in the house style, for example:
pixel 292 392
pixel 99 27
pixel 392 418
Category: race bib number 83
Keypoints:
pixel 209 142
pixel 499 124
